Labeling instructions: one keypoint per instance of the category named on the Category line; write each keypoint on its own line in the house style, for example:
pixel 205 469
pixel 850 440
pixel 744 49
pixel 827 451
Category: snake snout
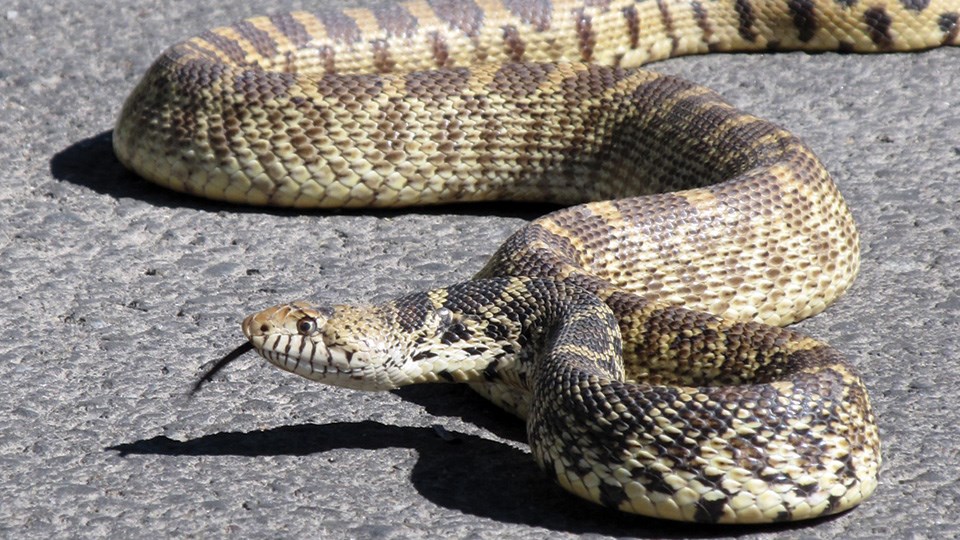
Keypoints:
pixel 247 326
pixel 258 326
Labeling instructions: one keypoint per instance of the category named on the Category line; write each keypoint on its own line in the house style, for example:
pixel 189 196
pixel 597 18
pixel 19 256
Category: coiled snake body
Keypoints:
pixel 634 333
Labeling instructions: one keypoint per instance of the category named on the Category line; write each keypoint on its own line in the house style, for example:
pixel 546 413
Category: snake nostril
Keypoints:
pixel 264 327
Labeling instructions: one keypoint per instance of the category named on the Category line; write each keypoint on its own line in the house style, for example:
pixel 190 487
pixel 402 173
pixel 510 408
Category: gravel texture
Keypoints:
pixel 117 293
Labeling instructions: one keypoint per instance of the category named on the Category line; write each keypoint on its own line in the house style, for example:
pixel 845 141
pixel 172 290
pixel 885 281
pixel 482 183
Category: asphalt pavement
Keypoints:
pixel 116 293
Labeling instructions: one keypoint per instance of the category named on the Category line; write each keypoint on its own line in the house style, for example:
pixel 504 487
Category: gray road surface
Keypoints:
pixel 115 293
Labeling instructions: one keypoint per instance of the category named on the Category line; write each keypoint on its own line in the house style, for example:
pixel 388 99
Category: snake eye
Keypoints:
pixel 307 326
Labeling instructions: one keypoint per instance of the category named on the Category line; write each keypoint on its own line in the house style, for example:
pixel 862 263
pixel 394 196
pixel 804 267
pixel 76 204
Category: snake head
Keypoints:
pixel 407 341
pixel 321 343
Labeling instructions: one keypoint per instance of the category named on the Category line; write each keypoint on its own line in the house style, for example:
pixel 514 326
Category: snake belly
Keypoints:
pixel 637 331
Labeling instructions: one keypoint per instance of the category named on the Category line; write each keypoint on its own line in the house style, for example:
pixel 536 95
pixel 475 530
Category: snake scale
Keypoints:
pixel 637 331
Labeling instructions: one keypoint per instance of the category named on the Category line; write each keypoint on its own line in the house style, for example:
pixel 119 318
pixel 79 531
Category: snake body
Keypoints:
pixel 637 334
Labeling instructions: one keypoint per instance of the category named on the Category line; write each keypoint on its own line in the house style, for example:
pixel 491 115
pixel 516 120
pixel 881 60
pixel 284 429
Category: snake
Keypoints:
pixel 640 330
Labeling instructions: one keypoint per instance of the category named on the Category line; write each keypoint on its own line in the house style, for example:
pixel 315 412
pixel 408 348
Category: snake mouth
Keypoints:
pixel 315 367
pixel 323 368
pixel 313 360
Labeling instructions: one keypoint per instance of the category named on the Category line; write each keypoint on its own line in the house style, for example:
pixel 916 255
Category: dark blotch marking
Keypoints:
pixel 833 501
pixel 339 26
pixel 351 89
pixel 490 372
pixel 445 375
pixel 260 40
pixel 667 19
pixel 395 20
pixel 268 84
pixel 520 81
pixel 513 44
pixel 709 511
pixel 781 478
pixel 463 15
pixel 328 58
pixel 423 355
pixel 948 23
pixel 441 53
pixel 849 469
pixel 807 490
pixel 715 481
pixel 633 25
pixel 915 5
pixel 436 86
pixel 536 13
pixel 703 22
pixel 653 480
pixel 412 311
pixel 747 19
pixel 782 517
pixel 291 29
pixel 878 26
pixel 845 47
pixel 381 56
pixel 611 496
pixel 495 330
pixel 846 3
pixel 454 333
pixel 227 46
pixel 585 34
pixel 804 18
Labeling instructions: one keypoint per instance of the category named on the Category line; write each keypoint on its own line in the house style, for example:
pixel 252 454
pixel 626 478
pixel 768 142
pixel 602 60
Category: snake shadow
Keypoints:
pixel 458 471
pixel 91 163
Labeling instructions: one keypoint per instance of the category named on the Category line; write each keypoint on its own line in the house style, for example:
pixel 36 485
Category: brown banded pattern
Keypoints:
pixel 631 331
